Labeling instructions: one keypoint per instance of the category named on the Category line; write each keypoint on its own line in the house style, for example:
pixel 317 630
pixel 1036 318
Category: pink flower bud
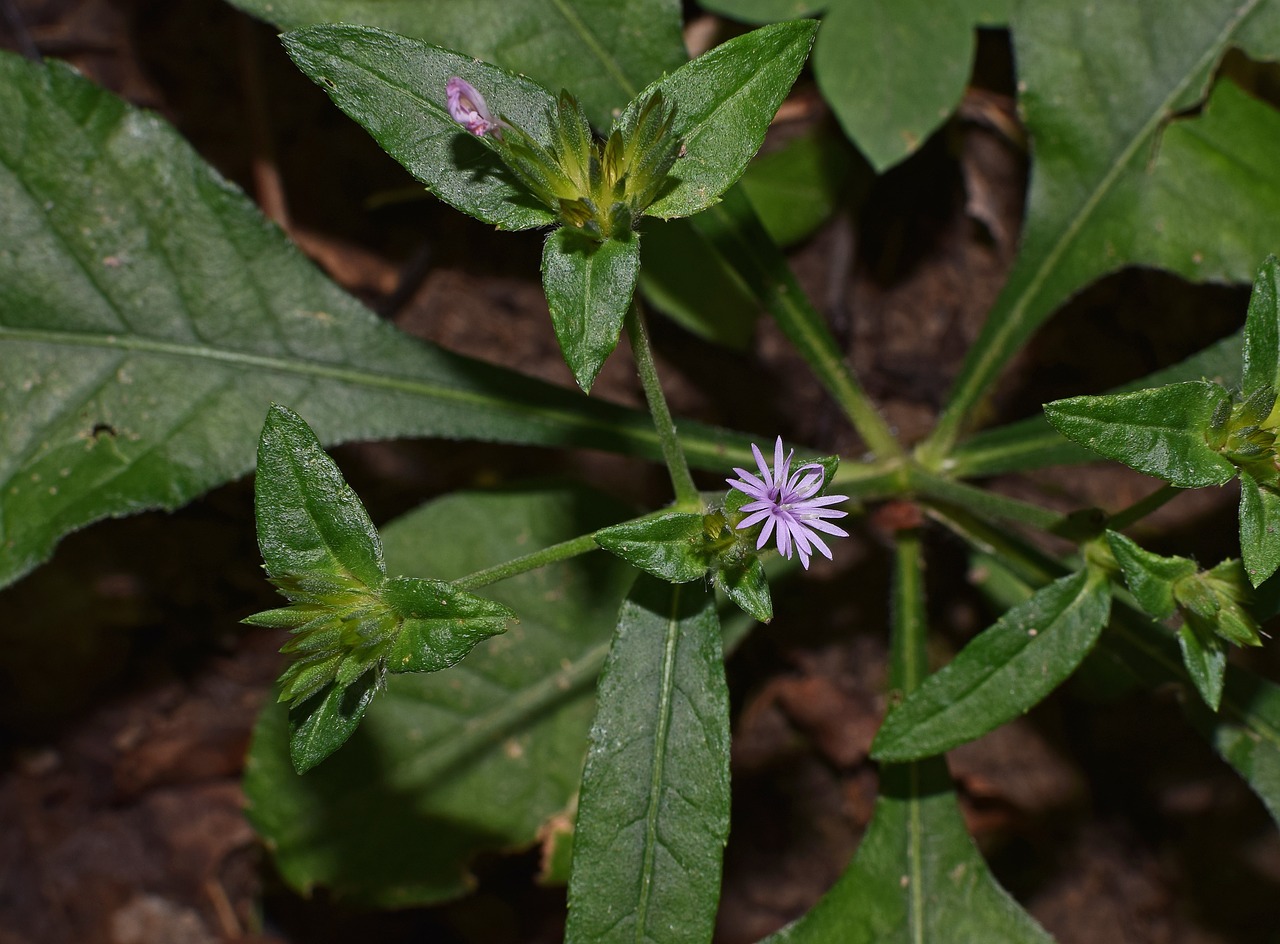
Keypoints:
pixel 467 107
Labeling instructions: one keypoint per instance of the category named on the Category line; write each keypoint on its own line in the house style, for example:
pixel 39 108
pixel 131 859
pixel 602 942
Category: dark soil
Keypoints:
pixel 128 689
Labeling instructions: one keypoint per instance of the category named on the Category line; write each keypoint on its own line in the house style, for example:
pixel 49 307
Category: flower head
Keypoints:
pixel 467 107
pixel 785 501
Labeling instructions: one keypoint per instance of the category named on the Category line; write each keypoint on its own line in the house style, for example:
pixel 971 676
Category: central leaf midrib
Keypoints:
pixel 597 49
pixel 666 692
pixel 306 368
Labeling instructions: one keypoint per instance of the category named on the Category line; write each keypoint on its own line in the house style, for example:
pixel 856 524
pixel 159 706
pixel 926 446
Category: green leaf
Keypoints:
pixel 1001 673
pixel 149 317
pixel 394 87
pixel 441 624
pixel 1033 443
pixel 1259 529
pixel 671 546
pixel 1149 576
pixel 1262 331
pixel 603 50
pixel 309 520
pixel 748 588
pixel 916 878
pixel 323 723
pixel 683 275
pixel 892 71
pixel 589 287
pixel 653 816
pixel 724 101
pixel 1160 431
pixel 1205 658
pixel 1118 177
pixel 477 758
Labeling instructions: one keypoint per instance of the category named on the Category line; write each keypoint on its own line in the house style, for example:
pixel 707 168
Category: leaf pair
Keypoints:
pixel 1196 433
pixel 722 104
pixel 352 623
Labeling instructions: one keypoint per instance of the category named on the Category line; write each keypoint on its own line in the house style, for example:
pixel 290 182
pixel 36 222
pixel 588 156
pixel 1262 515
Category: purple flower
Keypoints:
pixel 467 107
pixel 785 500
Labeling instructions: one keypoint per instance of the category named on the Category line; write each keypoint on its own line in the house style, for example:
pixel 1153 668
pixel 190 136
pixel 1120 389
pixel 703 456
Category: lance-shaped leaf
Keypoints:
pixel 1002 673
pixel 1262 331
pixel 724 101
pixel 1205 656
pixel 352 624
pixel 671 546
pixel 1160 431
pixel 916 877
pixel 1119 177
pixel 589 287
pixel 677 547
pixel 653 815
pixel 394 87
pixel 1259 529
pixel 149 317
pixel 311 525
pixel 481 757
pixel 325 721
pixel 604 50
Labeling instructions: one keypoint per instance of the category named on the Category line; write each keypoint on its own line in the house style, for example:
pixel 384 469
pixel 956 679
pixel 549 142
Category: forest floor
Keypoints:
pixel 128 688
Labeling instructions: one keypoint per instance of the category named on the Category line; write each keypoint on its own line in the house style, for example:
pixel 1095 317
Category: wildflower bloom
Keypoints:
pixel 467 107
pixel 785 501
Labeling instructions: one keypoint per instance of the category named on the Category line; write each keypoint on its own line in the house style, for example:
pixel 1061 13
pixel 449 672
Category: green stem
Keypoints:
pixel 736 232
pixel 908 663
pixel 988 504
pixel 1027 563
pixel 548 555
pixel 672 452
pixel 869 480
pixel 1141 508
